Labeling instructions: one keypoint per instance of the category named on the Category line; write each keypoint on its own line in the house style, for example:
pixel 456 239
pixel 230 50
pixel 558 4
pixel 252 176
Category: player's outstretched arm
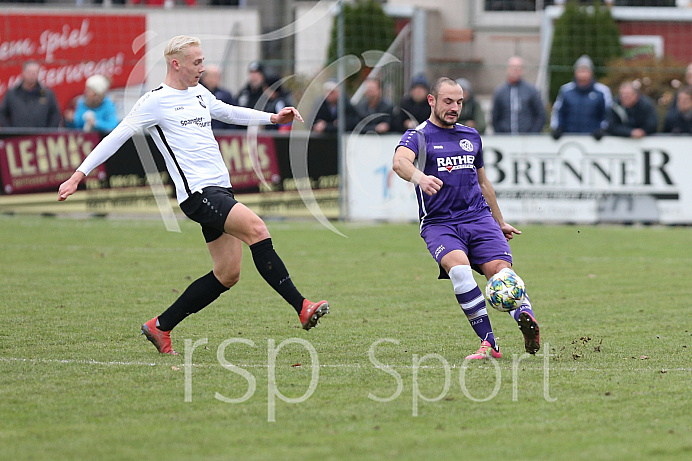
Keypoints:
pixel 404 167
pixel 286 115
pixel 489 195
pixel 70 186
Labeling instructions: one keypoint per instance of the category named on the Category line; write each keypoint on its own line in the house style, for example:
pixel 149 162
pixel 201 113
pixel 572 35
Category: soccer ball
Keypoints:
pixel 505 290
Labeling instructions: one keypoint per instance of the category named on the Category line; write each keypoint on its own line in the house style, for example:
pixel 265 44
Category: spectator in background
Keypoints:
pixel 94 111
pixel 688 82
pixel 254 88
pixel 471 114
pixel 632 115
pixel 211 79
pixel 375 108
pixel 679 121
pixel 29 104
pixel 517 105
pixel 413 108
pixel 164 3
pixel 582 104
pixel 277 99
pixel 327 115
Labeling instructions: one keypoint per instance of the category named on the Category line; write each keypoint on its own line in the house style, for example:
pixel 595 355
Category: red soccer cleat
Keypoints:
pixel 531 331
pixel 160 339
pixel 312 312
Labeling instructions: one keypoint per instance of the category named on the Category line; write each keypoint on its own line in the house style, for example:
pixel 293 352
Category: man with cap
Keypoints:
pixel 413 108
pixel 582 104
pixel 254 88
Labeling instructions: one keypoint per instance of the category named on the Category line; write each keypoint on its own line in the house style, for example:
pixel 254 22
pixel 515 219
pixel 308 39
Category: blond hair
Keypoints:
pixel 179 44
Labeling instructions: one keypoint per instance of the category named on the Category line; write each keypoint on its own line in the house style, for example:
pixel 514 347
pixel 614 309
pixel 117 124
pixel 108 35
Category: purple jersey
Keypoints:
pixel 453 155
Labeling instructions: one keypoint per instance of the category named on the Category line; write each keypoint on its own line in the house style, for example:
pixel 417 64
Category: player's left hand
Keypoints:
pixel 286 115
pixel 509 231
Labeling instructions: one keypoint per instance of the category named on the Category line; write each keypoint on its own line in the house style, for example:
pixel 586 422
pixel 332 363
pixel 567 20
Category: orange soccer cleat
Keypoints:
pixel 160 339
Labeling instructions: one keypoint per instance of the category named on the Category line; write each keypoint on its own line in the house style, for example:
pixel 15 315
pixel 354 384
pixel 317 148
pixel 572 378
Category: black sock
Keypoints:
pixel 196 297
pixel 272 269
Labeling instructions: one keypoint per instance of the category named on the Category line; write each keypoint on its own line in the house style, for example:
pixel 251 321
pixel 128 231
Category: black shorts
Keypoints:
pixel 210 209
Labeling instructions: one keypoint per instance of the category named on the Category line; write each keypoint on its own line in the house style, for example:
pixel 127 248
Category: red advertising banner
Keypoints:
pixel 70 48
pixel 240 153
pixel 42 162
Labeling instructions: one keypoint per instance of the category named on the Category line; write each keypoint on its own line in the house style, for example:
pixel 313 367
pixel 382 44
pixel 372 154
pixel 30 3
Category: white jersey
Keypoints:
pixel 179 121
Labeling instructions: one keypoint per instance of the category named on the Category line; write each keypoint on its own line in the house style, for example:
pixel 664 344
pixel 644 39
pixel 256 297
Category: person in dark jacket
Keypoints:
pixel 413 108
pixel 679 121
pixel 327 115
pixel 211 79
pixel 29 104
pixel 517 105
pixel 687 82
pixel 254 88
pixel 632 115
pixel 582 104
pixel 277 98
pixel 375 108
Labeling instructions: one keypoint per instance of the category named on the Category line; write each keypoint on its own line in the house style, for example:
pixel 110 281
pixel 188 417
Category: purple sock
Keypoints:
pixel 473 305
pixel 525 307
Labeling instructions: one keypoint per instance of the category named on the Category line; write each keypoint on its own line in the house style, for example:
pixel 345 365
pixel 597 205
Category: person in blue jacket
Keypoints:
pixel 94 111
pixel 582 105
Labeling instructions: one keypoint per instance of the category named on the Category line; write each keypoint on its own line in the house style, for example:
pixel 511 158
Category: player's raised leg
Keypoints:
pixel 523 315
pixel 248 227
pixel 528 325
pixel 472 302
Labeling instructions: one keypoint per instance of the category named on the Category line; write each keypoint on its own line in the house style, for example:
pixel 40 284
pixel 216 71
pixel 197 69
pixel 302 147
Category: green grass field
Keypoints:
pixel 77 381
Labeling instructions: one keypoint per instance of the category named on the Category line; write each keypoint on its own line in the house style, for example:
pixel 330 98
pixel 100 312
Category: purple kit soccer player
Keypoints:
pixel 460 220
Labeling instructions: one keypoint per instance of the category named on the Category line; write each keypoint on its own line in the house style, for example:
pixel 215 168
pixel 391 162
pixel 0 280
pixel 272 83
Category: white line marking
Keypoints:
pixel 524 365
pixel 71 361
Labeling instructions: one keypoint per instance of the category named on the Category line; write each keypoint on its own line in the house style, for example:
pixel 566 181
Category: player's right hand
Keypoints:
pixel 70 186
pixel 66 189
pixel 430 184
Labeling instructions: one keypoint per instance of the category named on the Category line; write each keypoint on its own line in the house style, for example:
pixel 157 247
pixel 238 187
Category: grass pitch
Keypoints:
pixel 77 381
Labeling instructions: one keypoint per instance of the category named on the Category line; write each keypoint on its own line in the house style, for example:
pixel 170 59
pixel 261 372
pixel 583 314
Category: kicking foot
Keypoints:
pixel 312 312
pixel 531 331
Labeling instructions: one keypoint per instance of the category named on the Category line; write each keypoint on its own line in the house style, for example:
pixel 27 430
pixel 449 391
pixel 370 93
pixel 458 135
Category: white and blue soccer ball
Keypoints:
pixel 505 290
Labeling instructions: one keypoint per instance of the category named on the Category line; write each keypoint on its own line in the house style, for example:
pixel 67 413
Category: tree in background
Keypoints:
pixel 582 30
pixel 366 27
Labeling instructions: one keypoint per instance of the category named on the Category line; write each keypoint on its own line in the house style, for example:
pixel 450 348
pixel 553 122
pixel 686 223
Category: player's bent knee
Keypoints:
pixel 227 278
pixel 260 231
pixel 493 267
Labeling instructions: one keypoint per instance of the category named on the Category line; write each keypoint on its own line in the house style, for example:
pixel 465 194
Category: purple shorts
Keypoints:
pixel 482 240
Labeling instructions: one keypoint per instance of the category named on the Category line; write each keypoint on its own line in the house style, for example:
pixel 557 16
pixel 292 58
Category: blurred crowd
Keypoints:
pixel 583 105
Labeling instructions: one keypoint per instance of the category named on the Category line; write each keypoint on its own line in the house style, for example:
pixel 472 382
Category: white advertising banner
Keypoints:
pixel 576 179
pixel 373 191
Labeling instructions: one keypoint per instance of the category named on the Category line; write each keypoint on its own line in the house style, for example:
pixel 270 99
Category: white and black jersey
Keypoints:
pixel 179 121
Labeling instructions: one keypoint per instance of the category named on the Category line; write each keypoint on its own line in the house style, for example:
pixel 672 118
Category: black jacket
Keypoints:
pixel 621 120
pixel 37 108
